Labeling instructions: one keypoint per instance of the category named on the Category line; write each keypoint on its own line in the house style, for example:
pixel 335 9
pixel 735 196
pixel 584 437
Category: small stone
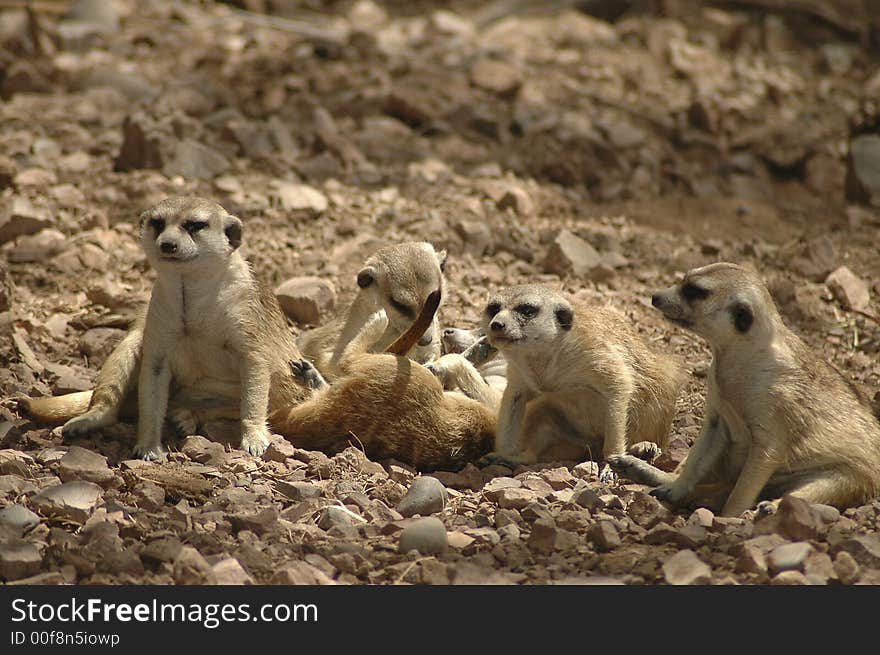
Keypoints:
pixel 604 535
pixel 518 200
pixel 496 77
pixel 789 557
pixel 300 573
pixel 865 549
pixel 516 498
pixel 702 517
pixel 82 464
pixel 230 572
pixel 279 450
pixel 818 568
pixel 569 254
pixel 18 517
pixel 203 451
pixel 301 198
pixel 647 511
pixel 589 498
pixel 543 536
pixel 98 343
pixel 426 535
pixel 789 578
pixel 685 568
pixel 492 489
pixel 849 289
pixel 797 520
pixel 68 379
pixel 20 217
pixel 586 470
pixel 37 247
pixel 149 496
pixel 298 491
pixel 258 522
pixel 190 568
pixel 334 516
pixel 19 559
pixel 863 169
pixel 558 478
pixel 846 568
pixel 193 160
pixel 459 540
pixel 751 559
pixel 307 300
pixel 73 501
pixel 425 495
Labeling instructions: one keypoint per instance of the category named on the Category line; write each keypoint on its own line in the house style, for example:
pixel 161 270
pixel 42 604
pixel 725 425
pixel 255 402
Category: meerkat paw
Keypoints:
pixel 183 420
pixel 480 353
pixel 306 374
pixel 646 450
pixel 255 440
pixel 510 461
pixel 94 419
pixel 150 452
pixel 439 370
pixel 607 474
pixel 766 508
pixel 671 493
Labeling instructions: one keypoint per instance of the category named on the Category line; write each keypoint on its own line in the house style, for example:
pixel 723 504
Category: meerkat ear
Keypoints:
pixel 442 256
pixel 366 277
pixel 564 316
pixel 743 316
pixel 232 228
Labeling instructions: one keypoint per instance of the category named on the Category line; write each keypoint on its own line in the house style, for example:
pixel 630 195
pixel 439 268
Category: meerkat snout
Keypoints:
pixel 167 247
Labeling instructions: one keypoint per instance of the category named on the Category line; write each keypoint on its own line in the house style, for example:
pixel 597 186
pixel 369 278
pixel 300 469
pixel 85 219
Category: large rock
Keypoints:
pixel 789 557
pixel 81 464
pixel 195 161
pixel 73 501
pixel 496 76
pixel 863 169
pixel 301 198
pixel 865 549
pixel 21 217
pixel 306 300
pixel 300 573
pixel 685 568
pixel 37 247
pixel 18 517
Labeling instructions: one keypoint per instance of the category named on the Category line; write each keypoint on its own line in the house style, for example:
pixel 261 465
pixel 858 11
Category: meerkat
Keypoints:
pixel 779 419
pixel 213 339
pixel 388 404
pixel 577 375
pixel 396 278
pixel 470 365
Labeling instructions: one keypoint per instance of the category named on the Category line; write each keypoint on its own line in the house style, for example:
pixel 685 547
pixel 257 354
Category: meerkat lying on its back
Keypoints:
pixel 576 375
pixel 389 405
pixel 778 418
pixel 470 365
pixel 213 337
pixel 397 278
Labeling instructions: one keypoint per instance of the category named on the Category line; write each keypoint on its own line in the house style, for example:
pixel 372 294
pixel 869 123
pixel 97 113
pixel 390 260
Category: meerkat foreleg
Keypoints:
pixel 511 419
pixel 255 382
pixel 704 456
pixel 456 372
pixel 307 375
pixel 759 467
pixel 153 387
pixel 115 381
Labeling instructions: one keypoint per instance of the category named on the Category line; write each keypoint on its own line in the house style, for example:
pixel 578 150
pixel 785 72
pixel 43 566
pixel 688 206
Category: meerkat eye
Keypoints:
pixel 529 311
pixel 157 224
pixel 195 226
pixel 403 309
pixel 691 292
pixel 493 308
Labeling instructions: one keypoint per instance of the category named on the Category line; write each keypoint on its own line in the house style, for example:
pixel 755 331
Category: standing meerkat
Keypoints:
pixel 779 420
pixel 470 365
pixel 388 404
pixel 577 374
pixel 396 278
pixel 212 338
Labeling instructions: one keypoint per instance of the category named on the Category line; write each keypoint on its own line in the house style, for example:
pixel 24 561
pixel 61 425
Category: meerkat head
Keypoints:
pixel 724 303
pixel 399 278
pixel 528 314
pixel 456 340
pixel 184 230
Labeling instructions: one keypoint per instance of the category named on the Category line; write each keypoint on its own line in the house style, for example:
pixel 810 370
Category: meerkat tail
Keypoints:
pixel 406 341
pixel 58 409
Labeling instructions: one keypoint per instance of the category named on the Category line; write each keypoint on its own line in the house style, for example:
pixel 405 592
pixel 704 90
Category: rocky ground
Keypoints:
pixel 602 153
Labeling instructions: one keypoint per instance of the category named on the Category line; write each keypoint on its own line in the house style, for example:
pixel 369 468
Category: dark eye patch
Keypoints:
pixel 691 292
pixel 157 224
pixel 195 226
pixel 527 310
pixel 406 310
pixel 493 308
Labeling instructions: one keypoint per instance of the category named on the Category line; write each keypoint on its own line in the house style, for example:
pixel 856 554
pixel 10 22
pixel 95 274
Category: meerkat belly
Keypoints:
pixel 202 368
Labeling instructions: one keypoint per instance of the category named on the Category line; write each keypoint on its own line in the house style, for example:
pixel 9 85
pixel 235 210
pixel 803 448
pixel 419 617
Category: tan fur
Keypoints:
pixel 778 418
pixel 390 406
pixel 579 379
pixel 213 342
pixel 470 365
pixel 394 278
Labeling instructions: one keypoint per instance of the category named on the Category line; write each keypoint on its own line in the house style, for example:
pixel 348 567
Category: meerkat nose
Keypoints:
pixel 448 332
pixel 656 300
pixel 168 247
pixel 496 326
